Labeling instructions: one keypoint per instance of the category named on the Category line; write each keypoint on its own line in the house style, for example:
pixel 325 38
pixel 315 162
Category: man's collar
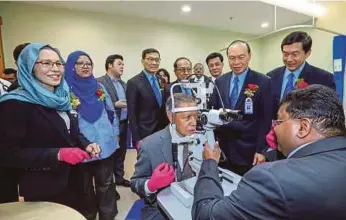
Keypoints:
pixel 112 77
pixel 292 152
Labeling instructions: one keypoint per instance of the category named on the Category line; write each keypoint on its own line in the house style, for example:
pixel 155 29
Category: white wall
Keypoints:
pixel 321 56
pixel 101 35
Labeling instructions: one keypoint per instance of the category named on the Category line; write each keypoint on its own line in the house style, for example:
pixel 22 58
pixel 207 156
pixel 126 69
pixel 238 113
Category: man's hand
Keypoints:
pixel 93 149
pixel 212 154
pixel 120 104
pixel 162 176
pixel 258 159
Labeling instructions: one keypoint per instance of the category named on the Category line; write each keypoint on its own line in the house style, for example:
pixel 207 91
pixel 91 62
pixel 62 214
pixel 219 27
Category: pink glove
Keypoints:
pixel 137 145
pixel 271 139
pixel 72 155
pixel 162 176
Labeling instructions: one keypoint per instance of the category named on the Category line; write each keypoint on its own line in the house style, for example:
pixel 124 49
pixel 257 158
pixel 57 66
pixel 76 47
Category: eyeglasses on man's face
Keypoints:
pixel 184 70
pixel 152 60
pixel 278 122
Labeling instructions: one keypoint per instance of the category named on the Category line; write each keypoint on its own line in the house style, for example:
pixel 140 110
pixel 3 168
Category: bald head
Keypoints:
pixel 239 56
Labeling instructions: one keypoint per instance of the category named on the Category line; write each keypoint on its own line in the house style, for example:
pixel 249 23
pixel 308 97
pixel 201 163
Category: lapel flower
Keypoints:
pixel 101 94
pixel 74 101
pixel 251 90
pixel 301 84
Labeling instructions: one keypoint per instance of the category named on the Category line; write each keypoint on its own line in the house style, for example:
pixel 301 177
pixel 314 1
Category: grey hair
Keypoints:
pixel 179 99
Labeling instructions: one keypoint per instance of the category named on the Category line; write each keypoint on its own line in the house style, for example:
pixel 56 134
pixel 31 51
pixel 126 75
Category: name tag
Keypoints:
pixel 248 106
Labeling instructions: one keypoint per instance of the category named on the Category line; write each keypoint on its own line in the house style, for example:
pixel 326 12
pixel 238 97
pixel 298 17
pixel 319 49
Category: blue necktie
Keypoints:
pixel 157 91
pixel 187 91
pixel 289 86
pixel 234 94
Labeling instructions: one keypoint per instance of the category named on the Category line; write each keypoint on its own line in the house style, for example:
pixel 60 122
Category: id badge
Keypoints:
pixel 248 106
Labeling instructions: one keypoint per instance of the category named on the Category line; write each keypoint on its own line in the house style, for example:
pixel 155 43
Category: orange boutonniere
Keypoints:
pixel 101 94
pixel 301 84
pixel 251 90
pixel 74 101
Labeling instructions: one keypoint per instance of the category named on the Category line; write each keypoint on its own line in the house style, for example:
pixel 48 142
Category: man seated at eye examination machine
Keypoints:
pixel 154 169
pixel 309 184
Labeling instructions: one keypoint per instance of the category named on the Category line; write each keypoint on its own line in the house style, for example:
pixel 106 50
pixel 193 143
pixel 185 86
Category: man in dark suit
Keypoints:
pixel 215 65
pixel 182 69
pixel 248 91
pixel 310 184
pixel 116 88
pixel 144 98
pixel 296 48
pixel 154 168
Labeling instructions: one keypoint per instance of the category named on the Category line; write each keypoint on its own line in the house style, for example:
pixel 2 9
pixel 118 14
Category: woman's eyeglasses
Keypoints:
pixel 50 64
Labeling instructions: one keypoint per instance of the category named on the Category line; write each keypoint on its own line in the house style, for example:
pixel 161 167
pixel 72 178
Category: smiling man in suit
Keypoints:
pixel 116 88
pixel 296 48
pixel 182 69
pixel 248 91
pixel 144 98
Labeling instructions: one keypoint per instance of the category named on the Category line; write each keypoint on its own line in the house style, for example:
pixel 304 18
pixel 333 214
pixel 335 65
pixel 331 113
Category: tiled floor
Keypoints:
pixel 127 197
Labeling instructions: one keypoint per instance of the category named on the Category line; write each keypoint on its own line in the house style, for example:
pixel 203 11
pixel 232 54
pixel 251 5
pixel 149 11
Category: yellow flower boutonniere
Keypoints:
pixel 101 94
pixel 74 101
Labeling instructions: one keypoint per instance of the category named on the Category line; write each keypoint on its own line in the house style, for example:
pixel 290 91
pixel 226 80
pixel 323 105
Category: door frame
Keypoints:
pixel 2 58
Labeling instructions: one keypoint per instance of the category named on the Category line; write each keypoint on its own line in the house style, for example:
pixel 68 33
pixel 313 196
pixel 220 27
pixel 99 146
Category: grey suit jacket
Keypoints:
pixel 153 150
pixel 309 185
pixel 106 81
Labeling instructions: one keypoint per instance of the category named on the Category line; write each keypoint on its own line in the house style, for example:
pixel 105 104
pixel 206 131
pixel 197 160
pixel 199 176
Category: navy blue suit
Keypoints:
pixel 310 74
pixel 144 113
pixel 309 185
pixel 239 140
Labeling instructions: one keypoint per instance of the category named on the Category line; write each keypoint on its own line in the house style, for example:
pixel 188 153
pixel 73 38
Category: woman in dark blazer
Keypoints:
pixel 39 134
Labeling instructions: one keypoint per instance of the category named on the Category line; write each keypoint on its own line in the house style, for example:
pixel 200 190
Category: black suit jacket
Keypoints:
pixel 309 185
pixel 310 74
pixel 167 90
pixel 107 82
pixel 144 113
pixel 241 139
pixel 30 138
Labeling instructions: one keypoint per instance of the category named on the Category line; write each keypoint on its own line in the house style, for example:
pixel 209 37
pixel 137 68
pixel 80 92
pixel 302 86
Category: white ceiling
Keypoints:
pixel 247 15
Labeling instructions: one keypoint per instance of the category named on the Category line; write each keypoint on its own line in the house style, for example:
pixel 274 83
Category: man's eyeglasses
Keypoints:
pixel 278 122
pixel 82 64
pixel 151 60
pixel 50 64
pixel 183 70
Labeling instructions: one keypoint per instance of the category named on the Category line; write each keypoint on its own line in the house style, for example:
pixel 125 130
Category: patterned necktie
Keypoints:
pixel 187 171
pixel 157 91
pixel 234 94
pixel 289 86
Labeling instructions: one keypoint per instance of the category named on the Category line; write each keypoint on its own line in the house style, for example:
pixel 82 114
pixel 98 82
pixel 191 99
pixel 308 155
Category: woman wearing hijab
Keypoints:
pixel 38 134
pixel 99 123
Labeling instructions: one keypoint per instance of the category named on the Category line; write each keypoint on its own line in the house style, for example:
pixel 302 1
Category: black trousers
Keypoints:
pixel 120 153
pixel 8 185
pixel 238 169
pixel 100 198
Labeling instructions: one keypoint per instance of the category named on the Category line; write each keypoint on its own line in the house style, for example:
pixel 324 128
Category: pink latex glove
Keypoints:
pixel 271 139
pixel 162 176
pixel 72 155
pixel 137 145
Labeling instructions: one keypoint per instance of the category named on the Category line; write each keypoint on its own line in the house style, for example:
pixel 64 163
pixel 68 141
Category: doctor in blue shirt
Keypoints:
pixel 99 123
